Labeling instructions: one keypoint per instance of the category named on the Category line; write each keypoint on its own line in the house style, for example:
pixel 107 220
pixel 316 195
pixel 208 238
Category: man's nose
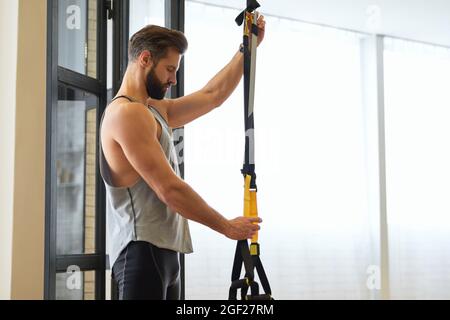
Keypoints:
pixel 173 80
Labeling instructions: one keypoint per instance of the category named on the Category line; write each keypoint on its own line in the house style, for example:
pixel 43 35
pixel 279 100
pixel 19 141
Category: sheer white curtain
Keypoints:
pixel 311 158
pixel 417 96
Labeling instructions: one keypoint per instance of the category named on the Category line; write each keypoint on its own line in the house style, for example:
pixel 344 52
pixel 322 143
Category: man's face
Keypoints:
pixel 163 75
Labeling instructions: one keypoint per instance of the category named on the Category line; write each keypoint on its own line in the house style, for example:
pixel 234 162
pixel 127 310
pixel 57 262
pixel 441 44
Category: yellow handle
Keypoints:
pixel 250 204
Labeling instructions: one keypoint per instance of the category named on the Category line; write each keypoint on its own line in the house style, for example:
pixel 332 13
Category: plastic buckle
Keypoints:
pixel 254 249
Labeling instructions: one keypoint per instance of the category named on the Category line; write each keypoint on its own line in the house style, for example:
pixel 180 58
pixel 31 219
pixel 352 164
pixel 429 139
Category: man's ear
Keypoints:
pixel 145 59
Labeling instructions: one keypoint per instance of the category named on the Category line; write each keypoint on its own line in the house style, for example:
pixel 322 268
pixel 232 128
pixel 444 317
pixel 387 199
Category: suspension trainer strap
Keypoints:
pixel 245 255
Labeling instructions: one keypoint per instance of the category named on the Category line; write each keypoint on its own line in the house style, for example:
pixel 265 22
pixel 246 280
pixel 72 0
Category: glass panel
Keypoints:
pixel 311 156
pixel 417 113
pixel 75 285
pixel 77 36
pixel 76 167
pixel 144 12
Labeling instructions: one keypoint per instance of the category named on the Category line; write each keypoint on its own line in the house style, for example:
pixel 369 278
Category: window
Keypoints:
pixel 77 37
pixel 317 154
pixel 82 82
pixel 75 228
pixel 311 158
pixel 144 12
pixel 418 168
pixel 75 171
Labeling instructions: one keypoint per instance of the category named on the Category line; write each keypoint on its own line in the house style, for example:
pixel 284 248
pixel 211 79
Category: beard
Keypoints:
pixel 155 88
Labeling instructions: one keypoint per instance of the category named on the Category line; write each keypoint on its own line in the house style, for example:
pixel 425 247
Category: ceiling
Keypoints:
pixel 420 20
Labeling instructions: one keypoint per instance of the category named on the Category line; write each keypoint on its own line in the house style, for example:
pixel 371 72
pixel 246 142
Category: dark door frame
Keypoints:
pixel 57 75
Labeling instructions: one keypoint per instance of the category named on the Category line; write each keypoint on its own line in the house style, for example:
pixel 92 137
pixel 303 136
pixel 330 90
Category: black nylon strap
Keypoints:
pixel 251 5
pixel 248 168
pixel 242 254
pixel 126 97
pixel 262 275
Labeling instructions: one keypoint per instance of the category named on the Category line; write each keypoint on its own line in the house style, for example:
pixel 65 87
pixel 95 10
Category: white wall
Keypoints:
pixel 421 20
pixel 8 63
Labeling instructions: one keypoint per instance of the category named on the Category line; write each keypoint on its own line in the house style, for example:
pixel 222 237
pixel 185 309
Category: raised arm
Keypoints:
pixel 183 110
pixel 135 130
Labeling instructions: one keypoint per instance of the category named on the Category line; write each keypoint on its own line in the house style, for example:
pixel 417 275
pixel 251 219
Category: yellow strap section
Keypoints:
pixel 248 20
pixel 250 204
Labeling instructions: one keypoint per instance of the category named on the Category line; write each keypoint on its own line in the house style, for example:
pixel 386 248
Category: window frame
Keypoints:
pixel 58 75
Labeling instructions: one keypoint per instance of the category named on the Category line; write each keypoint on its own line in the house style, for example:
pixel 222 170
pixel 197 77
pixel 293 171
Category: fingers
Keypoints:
pixel 244 227
pixel 252 228
pixel 261 24
pixel 253 233
pixel 260 20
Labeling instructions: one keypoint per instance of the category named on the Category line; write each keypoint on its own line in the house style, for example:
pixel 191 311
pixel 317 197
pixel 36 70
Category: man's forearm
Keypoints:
pixel 184 200
pixel 226 81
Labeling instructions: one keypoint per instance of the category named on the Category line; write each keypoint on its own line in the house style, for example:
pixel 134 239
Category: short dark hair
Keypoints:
pixel 157 40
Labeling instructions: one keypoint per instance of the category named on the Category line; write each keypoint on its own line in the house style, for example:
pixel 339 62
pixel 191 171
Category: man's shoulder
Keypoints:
pixel 128 118
pixel 127 111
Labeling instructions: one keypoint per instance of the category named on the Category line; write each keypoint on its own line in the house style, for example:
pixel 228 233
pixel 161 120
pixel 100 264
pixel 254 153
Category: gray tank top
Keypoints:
pixel 137 214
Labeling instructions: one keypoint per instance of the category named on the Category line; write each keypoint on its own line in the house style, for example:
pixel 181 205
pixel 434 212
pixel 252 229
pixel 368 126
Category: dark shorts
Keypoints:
pixel 146 272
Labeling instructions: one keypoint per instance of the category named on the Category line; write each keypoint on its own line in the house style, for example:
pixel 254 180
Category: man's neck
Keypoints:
pixel 133 87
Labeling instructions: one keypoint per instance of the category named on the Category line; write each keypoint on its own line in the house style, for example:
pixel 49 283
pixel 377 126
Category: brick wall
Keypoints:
pixel 92 40
pixel 91 125
pixel 89 226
